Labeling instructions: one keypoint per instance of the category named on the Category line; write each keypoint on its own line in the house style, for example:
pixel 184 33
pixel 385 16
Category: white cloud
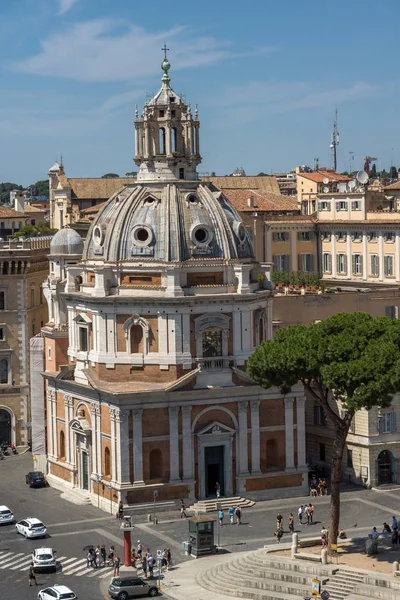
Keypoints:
pixel 111 50
pixel 66 5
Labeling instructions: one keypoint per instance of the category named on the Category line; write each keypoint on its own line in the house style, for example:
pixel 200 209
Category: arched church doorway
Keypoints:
pixel 5 426
pixel 385 467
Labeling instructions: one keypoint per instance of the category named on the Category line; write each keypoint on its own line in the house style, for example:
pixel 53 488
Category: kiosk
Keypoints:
pixel 201 535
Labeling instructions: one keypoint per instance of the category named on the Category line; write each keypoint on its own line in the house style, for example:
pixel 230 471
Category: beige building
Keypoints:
pixel 311 183
pixel 23 311
pixel 11 221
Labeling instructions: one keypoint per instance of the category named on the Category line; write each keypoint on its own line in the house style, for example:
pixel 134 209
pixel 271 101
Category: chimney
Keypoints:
pixel 250 202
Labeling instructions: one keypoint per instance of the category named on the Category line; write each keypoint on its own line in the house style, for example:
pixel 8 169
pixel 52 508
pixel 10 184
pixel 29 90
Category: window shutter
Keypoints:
pixel 330 263
pixel 381 425
pixel 285 262
pixel 300 262
pixel 353 205
pixel 345 263
pixel 338 263
pixel 276 263
pixel 385 265
pixel 360 262
pixel 353 263
pixel 394 422
pixel 337 205
pixel 319 205
pixel 311 259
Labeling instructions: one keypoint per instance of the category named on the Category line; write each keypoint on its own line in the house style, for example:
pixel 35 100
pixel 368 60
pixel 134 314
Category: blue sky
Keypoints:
pixel 267 77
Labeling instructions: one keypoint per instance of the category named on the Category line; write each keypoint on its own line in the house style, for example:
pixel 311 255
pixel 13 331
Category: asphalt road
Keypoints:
pixel 72 527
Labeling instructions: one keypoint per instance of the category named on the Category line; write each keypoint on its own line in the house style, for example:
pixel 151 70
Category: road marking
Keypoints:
pixel 67 561
pixel 82 567
pixel 109 574
pixel 19 563
pixel 96 571
pixel 7 554
pixel 6 564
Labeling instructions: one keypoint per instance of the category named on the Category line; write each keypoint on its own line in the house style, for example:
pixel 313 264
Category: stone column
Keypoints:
pixel 123 437
pixel 137 447
pixel 173 443
pixel 114 414
pixel 51 398
pixel 187 442
pixel 289 441
pixel 255 437
pixel 68 407
pixel 301 432
pixel 243 452
pixel 365 256
pixel 96 456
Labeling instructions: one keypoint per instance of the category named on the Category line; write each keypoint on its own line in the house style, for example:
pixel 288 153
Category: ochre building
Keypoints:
pixel 151 323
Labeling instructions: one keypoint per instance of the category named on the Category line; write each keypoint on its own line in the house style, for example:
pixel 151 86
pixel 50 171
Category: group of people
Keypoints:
pixel 392 529
pixel 143 558
pixel 318 488
pixel 304 512
pixel 235 514
pixel 97 557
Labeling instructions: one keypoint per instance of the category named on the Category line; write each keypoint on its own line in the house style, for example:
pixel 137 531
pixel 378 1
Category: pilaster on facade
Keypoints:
pixel 381 256
pixel 122 427
pixel 187 443
pixel 289 434
pixel 52 405
pixel 397 257
pixel 137 447
pixel 366 257
pixel 114 417
pixel 255 437
pixel 243 445
pixel 69 414
pixel 301 432
pixel 96 438
pixel 293 250
pixel 173 412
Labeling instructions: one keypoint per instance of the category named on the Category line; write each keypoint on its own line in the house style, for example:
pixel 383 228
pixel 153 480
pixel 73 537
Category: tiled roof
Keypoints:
pixel 319 176
pixel 93 210
pixel 393 187
pixel 29 208
pixel 10 213
pixel 97 188
pixel 264 200
pixel 264 182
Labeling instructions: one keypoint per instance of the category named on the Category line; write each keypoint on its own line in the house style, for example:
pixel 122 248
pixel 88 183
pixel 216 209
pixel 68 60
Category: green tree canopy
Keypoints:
pixel 40 188
pixel 352 358
pixel 110 176
pixel 5 189
pixel 42 228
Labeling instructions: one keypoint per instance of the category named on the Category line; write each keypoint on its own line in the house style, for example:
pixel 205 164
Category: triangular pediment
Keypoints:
pixel 215 428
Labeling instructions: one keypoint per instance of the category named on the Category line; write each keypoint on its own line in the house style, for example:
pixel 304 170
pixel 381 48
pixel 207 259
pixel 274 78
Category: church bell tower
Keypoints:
pixel 167 143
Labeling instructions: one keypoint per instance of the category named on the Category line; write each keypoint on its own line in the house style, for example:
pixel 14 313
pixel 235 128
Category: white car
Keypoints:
pixel 44 559
pixel 31 528
pixel 57 592
pixel 6 515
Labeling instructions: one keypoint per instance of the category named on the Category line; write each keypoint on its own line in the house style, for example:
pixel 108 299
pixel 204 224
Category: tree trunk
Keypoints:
pixel 336 476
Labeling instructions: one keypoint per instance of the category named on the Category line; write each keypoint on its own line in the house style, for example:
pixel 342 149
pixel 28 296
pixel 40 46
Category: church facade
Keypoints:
pixel 151 323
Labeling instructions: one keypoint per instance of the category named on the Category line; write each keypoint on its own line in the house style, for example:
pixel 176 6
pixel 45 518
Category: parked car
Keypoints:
pixel 122 588
pixel 44 559
pixel 35 479
pixel 57 592
pixel 31 528
pixel 6 516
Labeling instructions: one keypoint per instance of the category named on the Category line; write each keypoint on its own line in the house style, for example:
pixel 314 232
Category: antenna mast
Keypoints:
pixel 335 141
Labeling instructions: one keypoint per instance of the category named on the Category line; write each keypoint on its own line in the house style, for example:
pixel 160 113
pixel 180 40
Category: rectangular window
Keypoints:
pixel 319 416
pixel 349 458
pixel 341 205
pixel 374 265
pixel 181 173
pixel 306 262
pixel 356 205
pixel 32 296
pixel 356 236
pixel 83 339
pixel 2 300
pixel 357 264
pixel 372 236
pixel 305 236
pixel 280 236
pixel 49 353
pixel 322 452
pixel 161 113
pixel 2 334
pixel 341 266
pixel 388 265
pixel 341 236
pixel 327 262
pixel 389 236
pixel 324 205
pixel 388 422
pixel 281 262
pixel 392 312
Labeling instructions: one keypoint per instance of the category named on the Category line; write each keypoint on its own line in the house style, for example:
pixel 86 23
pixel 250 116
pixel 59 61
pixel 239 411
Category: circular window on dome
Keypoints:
pixel 142 235
pixel 192 199
pixel 240 231
pixel 201 235
pixel 98 235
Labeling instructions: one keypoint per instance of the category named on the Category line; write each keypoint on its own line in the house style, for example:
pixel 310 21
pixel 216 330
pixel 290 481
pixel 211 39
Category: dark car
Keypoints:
pixel 35 479
pixel 122 588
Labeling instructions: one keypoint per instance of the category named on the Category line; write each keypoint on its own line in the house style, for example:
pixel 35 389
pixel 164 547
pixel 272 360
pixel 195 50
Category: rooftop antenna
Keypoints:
pixel 61 162
pixel 335 141
pixel 316 163
pixel 351 162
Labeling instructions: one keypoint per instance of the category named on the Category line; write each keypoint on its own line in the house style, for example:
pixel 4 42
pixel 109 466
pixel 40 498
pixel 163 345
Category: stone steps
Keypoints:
pixel 205 506
pixel 343 583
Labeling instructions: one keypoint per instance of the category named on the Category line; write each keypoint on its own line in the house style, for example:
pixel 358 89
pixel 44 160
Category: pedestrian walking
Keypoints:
pixel 324 536
pixel 279 521
pixel 300 514
pixel 307 514
pixel 311 512
pixel 103 554
pixel 32 576
pixel 395 524
pixel 98 556
pixel 221 517
pixel 231 514
pixel 144 566
pixel 278 533
pixel 93 558
pixel 133 558
pixel 111 556
pixel 120 511
pixel 238 514
pixel 139 550
pixel 169 558
pixel 183 509
pixel 150 563
pixel 89 558
pixel 164 560
pixel 217 489
pixel 291 523
pixel 395 538
pixel 117 563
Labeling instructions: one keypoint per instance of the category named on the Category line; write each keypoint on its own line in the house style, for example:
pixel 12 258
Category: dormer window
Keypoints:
pixel 172 99
pixel 161 113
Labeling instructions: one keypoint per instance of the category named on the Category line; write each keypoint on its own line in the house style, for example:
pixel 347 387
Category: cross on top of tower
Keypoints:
pixel 165 50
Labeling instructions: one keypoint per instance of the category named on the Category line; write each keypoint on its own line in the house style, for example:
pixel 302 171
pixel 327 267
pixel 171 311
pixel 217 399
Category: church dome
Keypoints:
pixel 174 222
pixel 66 241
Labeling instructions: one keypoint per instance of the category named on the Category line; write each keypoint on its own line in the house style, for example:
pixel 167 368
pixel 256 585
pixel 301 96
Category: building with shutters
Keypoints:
pixel 151 323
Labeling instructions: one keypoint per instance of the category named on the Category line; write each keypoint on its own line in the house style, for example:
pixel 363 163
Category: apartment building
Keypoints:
pixel 23 311
pixel 312 183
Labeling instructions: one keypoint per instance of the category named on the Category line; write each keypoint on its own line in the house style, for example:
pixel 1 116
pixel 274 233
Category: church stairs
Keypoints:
pixel 205 506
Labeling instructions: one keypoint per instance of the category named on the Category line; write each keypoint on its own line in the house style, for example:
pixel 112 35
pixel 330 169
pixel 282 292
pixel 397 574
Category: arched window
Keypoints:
pixel 136 339
pixel 5 268
pixel 272 454
pixel 61 450
pixel 173 140
pixel 107 462
pixel 156 464
pixel 3 370
pixel 161 140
